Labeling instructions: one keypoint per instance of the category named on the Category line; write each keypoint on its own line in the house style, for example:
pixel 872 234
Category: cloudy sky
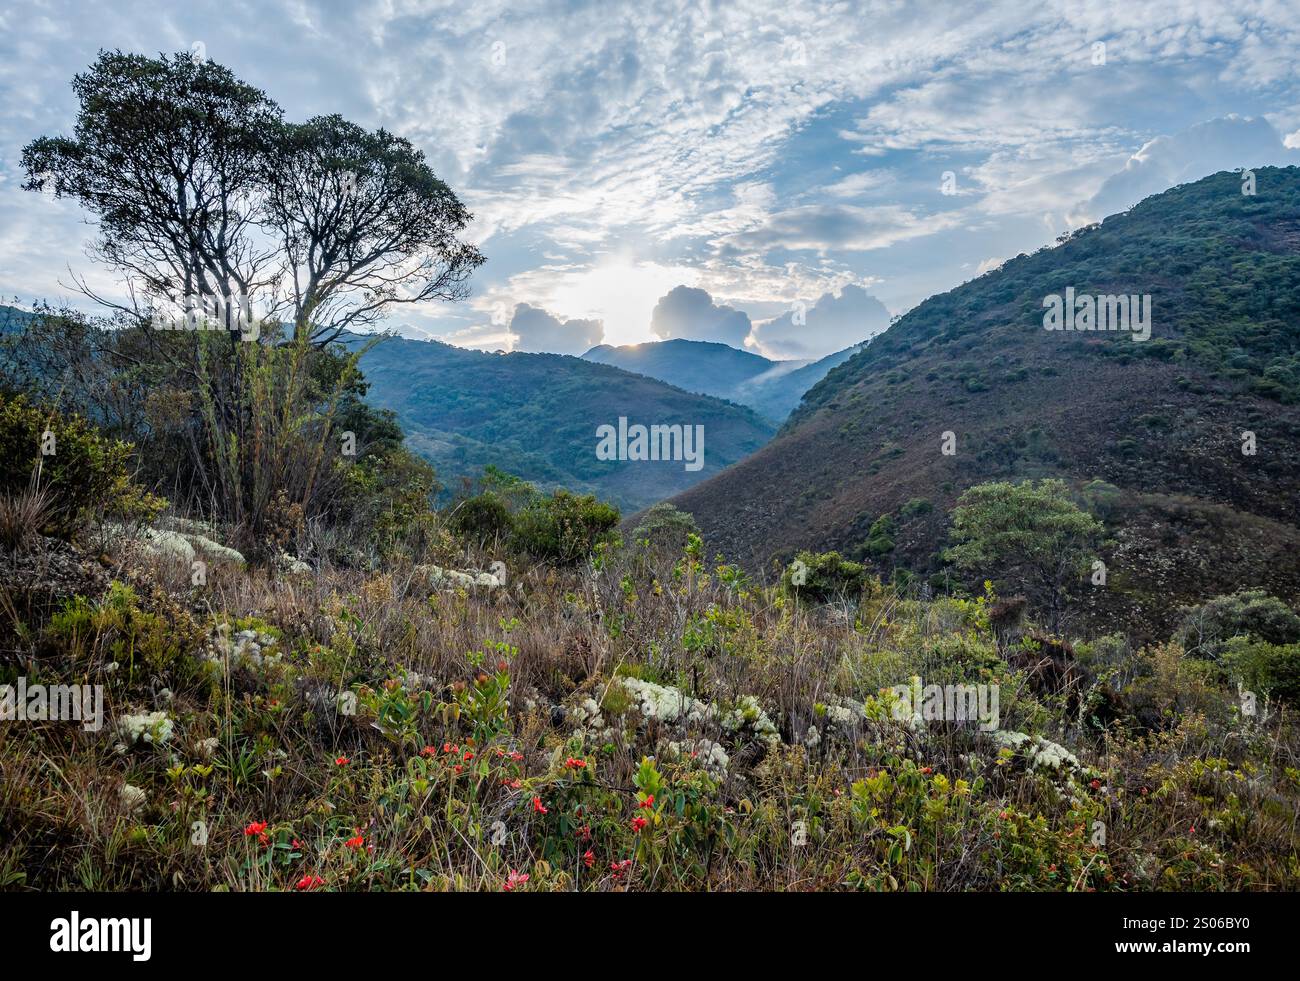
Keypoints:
pixel 766 174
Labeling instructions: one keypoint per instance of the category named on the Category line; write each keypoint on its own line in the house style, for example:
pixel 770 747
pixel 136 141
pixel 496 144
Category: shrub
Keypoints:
pixel 564 527
pixel 666 527
pixel 1206 629
pixel 1270 669
pixel 82 472
pixel 880 538
pixel 824 577
pixel 482 517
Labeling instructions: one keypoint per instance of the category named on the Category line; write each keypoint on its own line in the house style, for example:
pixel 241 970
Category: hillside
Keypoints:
pixel 535 415
pixel 771 388
pixel 1162 421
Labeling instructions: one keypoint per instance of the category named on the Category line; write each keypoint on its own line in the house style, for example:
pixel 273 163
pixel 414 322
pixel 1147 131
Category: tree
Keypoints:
pixel 203 193
pixel 1031 531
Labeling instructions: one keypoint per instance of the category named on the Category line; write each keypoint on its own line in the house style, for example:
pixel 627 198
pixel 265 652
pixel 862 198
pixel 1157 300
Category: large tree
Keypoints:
pixel 201 190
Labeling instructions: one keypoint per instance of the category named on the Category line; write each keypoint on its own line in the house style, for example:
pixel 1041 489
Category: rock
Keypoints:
pixel 436 577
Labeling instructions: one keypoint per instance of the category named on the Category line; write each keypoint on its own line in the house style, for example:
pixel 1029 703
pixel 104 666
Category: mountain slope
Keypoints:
pixel 1161 420
pixel 772 388
pixel 536 415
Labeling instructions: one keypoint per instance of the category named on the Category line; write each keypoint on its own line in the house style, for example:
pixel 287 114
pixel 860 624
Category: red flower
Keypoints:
pixel 295 843
pixel 1003 815
pixel 927 770
pixel 450 748
pixel 342 761
pixel 516 756
pixel 638 823
pixel 356 842
pixel 515 878
pixel 256 828
pixel 1095 785
pixel 429 751
pixel 309 882
pixel 573 764
pixel 538 806
pixel 458 768
pixel 589 858
pixel 512 784
pixel 648 802
pixel 584 833
pixel 618 868
pixel 468 756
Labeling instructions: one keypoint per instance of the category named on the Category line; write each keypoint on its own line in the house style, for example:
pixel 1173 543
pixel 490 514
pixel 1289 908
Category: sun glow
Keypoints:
pixel 620 292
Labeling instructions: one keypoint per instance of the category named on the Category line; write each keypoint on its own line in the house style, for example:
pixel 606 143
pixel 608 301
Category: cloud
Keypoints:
pixel 822 227
pixel 691 313
pixel 1228 143
pixel 831 324
pixel 536 330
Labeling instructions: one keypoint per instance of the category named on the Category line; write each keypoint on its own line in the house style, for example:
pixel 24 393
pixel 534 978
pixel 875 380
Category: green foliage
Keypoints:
pixel 666 528
pixel 85 474
pixel 825 577
pixel 1030 531
pixel 880 538
pixel 1268 669
pixel 564 527
pixel 1252 613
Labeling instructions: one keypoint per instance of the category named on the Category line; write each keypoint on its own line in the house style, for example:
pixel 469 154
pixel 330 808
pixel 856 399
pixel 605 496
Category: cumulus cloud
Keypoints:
pixel 534 329
pixel 691 313
pixel 1228 143
pixel 831 324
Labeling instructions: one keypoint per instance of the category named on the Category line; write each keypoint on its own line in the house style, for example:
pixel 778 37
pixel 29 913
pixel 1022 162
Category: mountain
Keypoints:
pixel 772 388
pixel 536 415
pixel 1161 423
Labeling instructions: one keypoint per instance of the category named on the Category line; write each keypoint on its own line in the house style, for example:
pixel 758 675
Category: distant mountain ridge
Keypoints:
pixel 771 388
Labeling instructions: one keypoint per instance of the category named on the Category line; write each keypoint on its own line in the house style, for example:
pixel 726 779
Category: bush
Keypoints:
pixel 1206 629
pixel 482 517
pixel 1268 669
pixel 83 473
pixel 666 528
pixel 824 577
pixel 880 538
pixel 564 527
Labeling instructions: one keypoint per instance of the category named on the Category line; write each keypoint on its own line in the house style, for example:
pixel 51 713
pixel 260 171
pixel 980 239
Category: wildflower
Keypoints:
pixel 1095 784
pixel 342 761
pixel 428 751
pixel 450 748
pixel 638 823
pixel 308 883
pixel 584 833
pixel 295 844
pixel 355 842
pixel 512 784
pixel 468 756
pixel 618 868
pixel 538 806
pixel 573 764
pixel 516 756
pixel 648 802
pixel 927 770
pixel 1003 815
pixel 256 828
pixel 589 858
pixel 515 878
pixel 458 769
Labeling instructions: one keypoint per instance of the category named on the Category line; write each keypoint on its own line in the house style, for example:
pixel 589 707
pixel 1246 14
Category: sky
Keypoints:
pixel 780 176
